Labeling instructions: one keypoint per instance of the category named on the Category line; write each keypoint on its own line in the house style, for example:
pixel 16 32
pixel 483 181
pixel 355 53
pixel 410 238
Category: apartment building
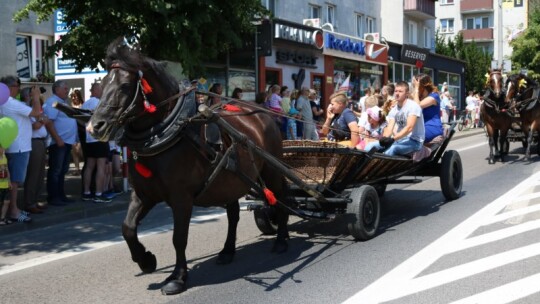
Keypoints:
pixel 491 24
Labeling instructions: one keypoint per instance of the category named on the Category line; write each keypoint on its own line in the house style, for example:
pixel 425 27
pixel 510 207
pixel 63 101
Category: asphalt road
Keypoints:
pixel 482 248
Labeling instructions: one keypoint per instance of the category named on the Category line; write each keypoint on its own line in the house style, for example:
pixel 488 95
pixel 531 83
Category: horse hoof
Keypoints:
pixel 224 258
pixel 148 263
pixel 491 161
pixel 280 247
pixel 173 287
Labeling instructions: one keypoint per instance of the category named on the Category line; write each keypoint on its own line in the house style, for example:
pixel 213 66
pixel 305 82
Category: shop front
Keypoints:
pixel 406 61
pixel 362 61
pixel 296 59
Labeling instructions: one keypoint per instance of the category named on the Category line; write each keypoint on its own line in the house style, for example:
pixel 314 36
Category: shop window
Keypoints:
pixel 391 72
pixel 273 76
pixel 243 79
pixel 31 61
pixel 398 76
pixel 407 73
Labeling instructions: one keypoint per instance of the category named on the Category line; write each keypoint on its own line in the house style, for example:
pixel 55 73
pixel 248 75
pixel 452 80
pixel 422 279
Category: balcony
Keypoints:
pixel 419 9
pixel 477 6
pixel 479 35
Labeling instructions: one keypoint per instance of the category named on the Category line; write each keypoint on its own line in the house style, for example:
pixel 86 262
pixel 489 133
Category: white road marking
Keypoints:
pixel 196 220
pixel 403 280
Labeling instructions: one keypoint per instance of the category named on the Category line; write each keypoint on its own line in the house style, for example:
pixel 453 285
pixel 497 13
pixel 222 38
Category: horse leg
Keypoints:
pixel 527 130
pixel 136 212
pixel 226 255
pixel 504 144
pixel 280 244
pixel 176 282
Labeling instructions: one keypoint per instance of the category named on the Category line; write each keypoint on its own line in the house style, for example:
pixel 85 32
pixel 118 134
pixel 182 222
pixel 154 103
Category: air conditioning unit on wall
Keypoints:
pixel 375 37
pixel 314 22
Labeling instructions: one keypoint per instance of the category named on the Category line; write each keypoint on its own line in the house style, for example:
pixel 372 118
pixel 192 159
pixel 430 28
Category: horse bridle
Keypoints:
pixel 129 113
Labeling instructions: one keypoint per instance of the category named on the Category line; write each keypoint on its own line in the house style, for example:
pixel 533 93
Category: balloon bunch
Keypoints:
pixel 8 126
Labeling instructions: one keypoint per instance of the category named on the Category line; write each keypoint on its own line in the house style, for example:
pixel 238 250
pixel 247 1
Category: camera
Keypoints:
pixel 42 90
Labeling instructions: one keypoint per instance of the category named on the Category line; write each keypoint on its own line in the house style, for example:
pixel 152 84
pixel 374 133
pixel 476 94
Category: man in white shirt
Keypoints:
pixel 18 154
pixel 96 154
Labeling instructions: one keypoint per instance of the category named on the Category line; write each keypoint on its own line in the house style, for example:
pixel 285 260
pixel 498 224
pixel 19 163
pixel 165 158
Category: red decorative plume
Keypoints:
pixel 143 170
pixel 148 107
pixel 270 197
pixel 146 88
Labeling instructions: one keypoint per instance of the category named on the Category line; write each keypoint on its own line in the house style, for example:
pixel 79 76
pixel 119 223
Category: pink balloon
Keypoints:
pixel 4 93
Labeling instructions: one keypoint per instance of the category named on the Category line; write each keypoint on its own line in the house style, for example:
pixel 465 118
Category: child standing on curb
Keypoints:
pixel 5 185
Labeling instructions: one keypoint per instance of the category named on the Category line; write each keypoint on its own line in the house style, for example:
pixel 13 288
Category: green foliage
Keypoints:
pixel 185 31
pixel 526 48
pixel 477 62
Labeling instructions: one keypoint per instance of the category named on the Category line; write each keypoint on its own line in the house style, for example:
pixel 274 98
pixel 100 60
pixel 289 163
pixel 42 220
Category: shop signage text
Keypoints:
pixel 303 36
pixel 344 45
pixel 296 58
pixel 412 54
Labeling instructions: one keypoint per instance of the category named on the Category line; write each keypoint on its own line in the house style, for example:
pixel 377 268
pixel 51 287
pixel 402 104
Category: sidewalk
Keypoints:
pixel 87 209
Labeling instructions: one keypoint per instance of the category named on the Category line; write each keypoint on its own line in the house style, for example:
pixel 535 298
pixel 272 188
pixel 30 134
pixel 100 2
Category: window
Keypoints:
pixel 413 33
pixel 31 60
pixel 427 38
pixel 330 12
pixel 370 25
pixel 443 2
pixel 270 5
pixel 314 11
pixel 359 26
pixel 447 25
pixel 477 23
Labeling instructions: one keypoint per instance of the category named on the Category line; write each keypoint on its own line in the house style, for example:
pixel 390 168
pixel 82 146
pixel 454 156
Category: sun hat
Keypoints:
pixel 373 112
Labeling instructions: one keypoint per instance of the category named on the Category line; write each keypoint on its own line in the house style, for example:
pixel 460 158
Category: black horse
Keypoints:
pixel 170 160
pixel 494 113
pixel 522 93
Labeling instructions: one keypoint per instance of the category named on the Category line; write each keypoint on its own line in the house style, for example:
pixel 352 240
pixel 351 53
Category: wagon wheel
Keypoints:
pixel 451 175
pixel 265 219
pixel 363 213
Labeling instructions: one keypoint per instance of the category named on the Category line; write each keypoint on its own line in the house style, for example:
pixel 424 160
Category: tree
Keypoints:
pixel 186 31
pixel 477 62
pixel 526 48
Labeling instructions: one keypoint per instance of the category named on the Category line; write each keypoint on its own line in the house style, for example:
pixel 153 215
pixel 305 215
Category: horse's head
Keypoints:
pixel 517 87
pixel 131 88
pixel 495 83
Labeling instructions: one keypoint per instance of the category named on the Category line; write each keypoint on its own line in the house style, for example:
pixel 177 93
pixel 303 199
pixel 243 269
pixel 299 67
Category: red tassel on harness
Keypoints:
pixel 231 108
pixel 146 88
pixel 143 170
pixel 270 196
pixel 148 107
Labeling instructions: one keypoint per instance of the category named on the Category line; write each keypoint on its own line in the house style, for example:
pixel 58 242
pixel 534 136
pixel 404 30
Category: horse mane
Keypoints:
pixel 131 58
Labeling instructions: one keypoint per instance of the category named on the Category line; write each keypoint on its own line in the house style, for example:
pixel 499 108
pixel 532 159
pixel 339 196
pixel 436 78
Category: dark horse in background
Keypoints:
pixel 170 161
pixel 494 114
pixel 522 93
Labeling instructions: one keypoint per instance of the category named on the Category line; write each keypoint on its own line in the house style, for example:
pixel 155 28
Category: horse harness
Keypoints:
pixel 181 122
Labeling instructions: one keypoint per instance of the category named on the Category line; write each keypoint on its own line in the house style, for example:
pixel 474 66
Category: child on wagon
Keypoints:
pixel 372 128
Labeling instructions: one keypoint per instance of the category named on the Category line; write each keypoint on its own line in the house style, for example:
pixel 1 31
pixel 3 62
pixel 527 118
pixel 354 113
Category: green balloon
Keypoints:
pixel 8 131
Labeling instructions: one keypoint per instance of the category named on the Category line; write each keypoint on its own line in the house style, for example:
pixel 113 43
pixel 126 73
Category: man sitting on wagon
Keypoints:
pixel 405 133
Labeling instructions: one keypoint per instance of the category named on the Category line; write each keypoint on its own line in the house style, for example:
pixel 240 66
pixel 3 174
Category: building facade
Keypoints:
pixel 491 24
pixel 24 44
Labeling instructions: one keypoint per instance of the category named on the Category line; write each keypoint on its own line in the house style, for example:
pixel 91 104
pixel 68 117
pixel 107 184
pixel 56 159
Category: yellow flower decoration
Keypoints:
pixel 487 78
pixel 522 83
